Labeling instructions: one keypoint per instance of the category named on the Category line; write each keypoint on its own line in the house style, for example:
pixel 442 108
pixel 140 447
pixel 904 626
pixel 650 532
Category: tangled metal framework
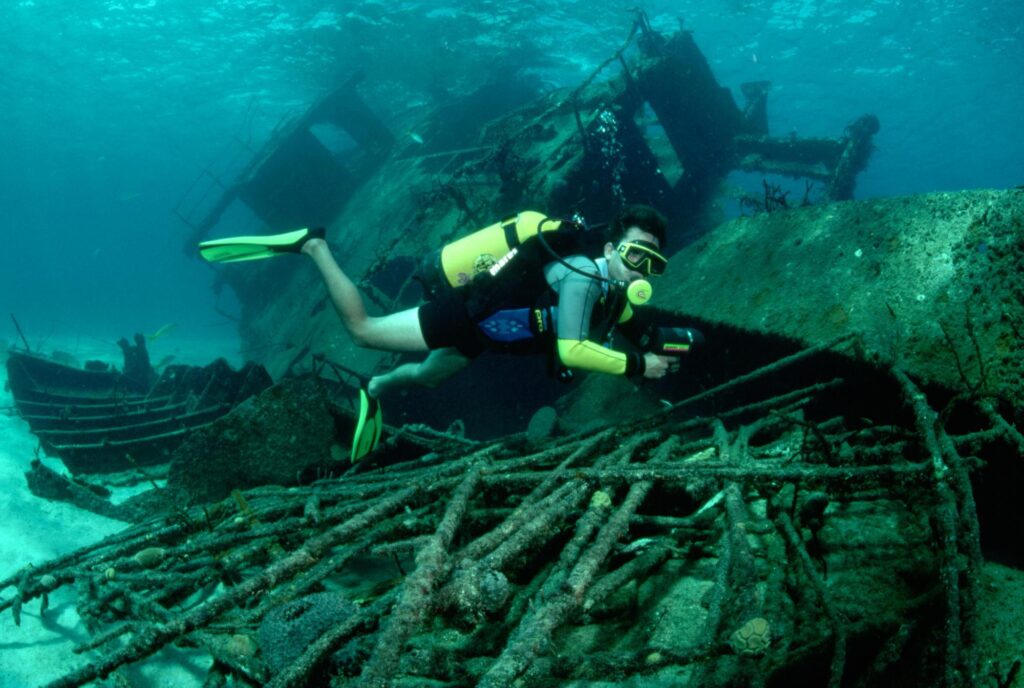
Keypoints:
pixel 513 547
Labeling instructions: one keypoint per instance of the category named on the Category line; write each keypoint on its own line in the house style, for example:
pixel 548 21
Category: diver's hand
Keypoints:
pixel 657 366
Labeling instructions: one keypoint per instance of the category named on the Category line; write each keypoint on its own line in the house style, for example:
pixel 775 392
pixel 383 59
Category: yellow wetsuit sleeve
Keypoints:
pixel 576 353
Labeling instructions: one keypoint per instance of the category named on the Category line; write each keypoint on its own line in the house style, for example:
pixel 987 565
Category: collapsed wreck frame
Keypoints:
pixel 758 476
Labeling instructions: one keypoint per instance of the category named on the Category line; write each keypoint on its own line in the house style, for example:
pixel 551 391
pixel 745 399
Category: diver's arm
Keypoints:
pixel 577 296
pixel 586 355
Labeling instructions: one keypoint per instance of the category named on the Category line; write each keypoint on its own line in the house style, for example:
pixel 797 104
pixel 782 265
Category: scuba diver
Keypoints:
pixel 529 284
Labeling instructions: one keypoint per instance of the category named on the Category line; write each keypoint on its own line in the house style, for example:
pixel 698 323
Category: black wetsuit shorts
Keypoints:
pixel 445 321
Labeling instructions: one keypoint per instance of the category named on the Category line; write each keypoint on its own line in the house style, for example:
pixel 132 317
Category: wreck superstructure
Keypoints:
pixel 650 125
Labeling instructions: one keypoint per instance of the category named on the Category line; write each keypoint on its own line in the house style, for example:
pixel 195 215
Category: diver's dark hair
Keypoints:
pixel 643 216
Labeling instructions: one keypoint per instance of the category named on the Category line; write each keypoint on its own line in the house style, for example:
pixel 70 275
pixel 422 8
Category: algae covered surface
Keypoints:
pixel 931 282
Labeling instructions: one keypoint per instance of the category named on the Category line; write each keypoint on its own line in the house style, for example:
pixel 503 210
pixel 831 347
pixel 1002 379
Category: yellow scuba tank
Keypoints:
pixel 464 258
pixel 457 263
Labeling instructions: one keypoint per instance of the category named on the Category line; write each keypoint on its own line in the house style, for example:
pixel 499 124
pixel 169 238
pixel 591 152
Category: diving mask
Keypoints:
pixel 642 256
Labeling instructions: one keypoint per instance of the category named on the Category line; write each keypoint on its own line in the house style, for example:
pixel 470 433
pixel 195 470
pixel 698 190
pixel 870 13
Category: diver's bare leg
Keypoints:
pixel 396 332
pixel 440 365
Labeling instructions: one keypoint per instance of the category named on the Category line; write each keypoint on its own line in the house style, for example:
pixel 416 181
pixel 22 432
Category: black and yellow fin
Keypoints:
pixel 368 426
pixel 237 249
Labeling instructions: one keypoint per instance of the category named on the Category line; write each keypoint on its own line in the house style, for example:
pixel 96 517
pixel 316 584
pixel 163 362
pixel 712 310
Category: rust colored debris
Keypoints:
pixel 696 549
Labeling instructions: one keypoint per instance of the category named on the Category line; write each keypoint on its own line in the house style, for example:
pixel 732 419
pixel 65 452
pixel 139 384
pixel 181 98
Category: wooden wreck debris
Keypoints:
pixel 98 419
pixel 701 550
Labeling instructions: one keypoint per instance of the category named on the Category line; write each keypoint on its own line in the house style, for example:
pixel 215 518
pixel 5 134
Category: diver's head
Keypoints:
pixel 643 217
pixel 634 244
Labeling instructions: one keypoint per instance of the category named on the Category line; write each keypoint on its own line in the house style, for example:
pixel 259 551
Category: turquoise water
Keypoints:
pixel 110 109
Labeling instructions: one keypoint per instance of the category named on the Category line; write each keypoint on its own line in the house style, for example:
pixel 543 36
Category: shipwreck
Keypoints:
pixel 820 499
pixel 99 419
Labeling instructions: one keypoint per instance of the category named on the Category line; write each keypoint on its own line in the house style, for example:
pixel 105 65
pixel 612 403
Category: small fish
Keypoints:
pixel 753 58
pixel 416 138
pixel 161 332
